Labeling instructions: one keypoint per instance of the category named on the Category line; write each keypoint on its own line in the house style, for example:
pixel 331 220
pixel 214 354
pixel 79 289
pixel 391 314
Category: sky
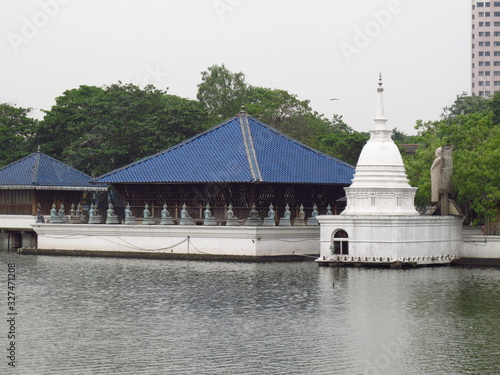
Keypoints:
pixel 316 49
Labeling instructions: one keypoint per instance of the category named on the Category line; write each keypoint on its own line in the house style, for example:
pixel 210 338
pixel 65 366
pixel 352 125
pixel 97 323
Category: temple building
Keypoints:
pixel 239 162
pixel 33 182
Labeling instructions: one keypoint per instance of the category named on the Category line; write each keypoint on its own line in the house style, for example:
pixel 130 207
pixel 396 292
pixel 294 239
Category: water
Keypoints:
pixel 131 316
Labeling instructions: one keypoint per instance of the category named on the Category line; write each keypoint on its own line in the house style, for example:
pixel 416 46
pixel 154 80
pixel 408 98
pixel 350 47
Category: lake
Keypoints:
pixel 78 315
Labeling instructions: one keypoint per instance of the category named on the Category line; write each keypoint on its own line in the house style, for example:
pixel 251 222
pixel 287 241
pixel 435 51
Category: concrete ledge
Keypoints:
pixel 168 256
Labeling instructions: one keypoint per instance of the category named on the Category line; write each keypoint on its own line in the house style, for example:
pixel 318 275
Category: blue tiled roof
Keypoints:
pixel 39 169
pixel 241 149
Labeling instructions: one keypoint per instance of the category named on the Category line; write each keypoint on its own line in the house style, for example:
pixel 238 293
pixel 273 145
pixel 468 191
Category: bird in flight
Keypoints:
pixel 334 99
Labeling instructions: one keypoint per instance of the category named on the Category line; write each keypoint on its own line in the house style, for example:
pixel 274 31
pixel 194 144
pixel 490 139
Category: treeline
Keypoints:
pixel 98 129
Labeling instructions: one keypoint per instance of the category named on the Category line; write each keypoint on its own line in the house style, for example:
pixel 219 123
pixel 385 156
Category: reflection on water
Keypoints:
pixel 131 316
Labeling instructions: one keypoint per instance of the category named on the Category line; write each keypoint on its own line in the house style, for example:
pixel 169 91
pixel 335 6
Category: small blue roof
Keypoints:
pixel 39 170
pixel 241 149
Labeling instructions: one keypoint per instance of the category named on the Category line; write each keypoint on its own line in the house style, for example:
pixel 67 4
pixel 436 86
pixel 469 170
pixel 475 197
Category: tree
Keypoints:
pixel 98 129
pixel 222 92
pixel 16 129
pixel 476 176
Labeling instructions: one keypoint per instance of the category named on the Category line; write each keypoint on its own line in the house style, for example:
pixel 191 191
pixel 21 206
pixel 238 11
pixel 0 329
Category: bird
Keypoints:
pixel 334 99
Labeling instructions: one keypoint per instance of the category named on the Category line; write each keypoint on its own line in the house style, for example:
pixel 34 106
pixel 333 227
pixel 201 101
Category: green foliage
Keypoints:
pixel 222 92
pixel 98 129
pixel 16 128
pixel 476 156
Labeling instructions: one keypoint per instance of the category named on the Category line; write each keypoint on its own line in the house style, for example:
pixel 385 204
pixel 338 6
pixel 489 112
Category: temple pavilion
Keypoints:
pixel 242 162
pixel 40 179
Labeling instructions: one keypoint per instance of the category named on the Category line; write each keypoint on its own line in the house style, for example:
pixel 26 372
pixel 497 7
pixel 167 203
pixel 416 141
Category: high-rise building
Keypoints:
pixel 485 47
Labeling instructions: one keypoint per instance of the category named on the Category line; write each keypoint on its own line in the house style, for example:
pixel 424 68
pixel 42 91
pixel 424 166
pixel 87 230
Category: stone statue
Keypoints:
pixel 94 217
pixel 165 216
pixel 39 216
pixel 74 215
pixel 436 175
pixel 62 213
pixel 55 218
pixel 270 219
pixel 208 218
pixel 312 221
pixel 111 217
pixel 285 220
pixel 300 220
pixel 231 220
pixel 185 218
pixel 329 210
pixel 253 217
pixel 441 186
pixel 147 218
pixel 129 218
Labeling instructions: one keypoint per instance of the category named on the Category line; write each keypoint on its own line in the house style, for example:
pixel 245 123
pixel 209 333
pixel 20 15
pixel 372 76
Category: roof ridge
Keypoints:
pixel 94 180
pixel 250 148
pixel 34 174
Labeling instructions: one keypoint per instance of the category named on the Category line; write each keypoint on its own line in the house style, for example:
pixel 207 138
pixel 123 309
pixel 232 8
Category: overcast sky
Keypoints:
pixel 317 49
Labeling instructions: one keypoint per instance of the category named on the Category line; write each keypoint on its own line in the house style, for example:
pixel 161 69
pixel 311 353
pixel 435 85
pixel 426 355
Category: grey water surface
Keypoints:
pixel 80 315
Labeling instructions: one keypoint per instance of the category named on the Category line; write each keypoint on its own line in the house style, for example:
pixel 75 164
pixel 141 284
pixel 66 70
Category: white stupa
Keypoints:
pixel 380 185
pixel 380 225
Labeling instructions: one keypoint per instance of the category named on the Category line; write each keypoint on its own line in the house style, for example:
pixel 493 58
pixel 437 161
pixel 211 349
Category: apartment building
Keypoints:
pixel 485 47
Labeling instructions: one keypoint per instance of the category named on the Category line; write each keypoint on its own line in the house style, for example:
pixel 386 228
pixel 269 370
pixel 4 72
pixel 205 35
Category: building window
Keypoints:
pixel 481 24
pixel 487 4
pixel 496 3
pixel 487 53
pixel 481 44
pixel 496 44
pixel 496 63
pixel 340 243
pixel 481 63
pixel 496 73
pixel 486 63
pixel 481 93
pixel 496 53
pixel 486 44
pixel 487 24
pixel 497 33
pixel 487 33
pixel 480 5
pixel 496 83
pixel 487 14
pixel 486 83
pixel 481 53
pixel 487 93
pixel 481 83
pixel 497 14
pixel 481 14
pixel 496 24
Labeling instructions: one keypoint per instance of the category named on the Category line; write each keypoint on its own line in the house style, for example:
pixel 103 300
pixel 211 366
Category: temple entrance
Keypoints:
pixel 340 243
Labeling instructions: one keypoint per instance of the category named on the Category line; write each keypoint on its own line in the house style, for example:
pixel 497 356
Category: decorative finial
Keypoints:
pixel 38 149
pixel 380 120
pixel 242 110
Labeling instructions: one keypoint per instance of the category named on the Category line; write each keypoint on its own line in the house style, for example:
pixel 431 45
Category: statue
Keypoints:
pixel 329 210
pixel 147 218
pixel 208 218
pixel 39 216
pixel 231 220
pixel 55 218
pixel 300 220
pixel 285 220
pixel 94 217
pixel 165 216
pixel 129 218
pixel 270 219
pixel 253 217
pixel 111 217
pixel 74 215
pixel 312 221
pixel 185 218
pixel 441 186
pixel 436 175
pixel 62 213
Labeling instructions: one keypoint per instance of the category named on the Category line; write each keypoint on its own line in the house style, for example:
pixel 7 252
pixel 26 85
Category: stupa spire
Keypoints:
pixel 380 119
